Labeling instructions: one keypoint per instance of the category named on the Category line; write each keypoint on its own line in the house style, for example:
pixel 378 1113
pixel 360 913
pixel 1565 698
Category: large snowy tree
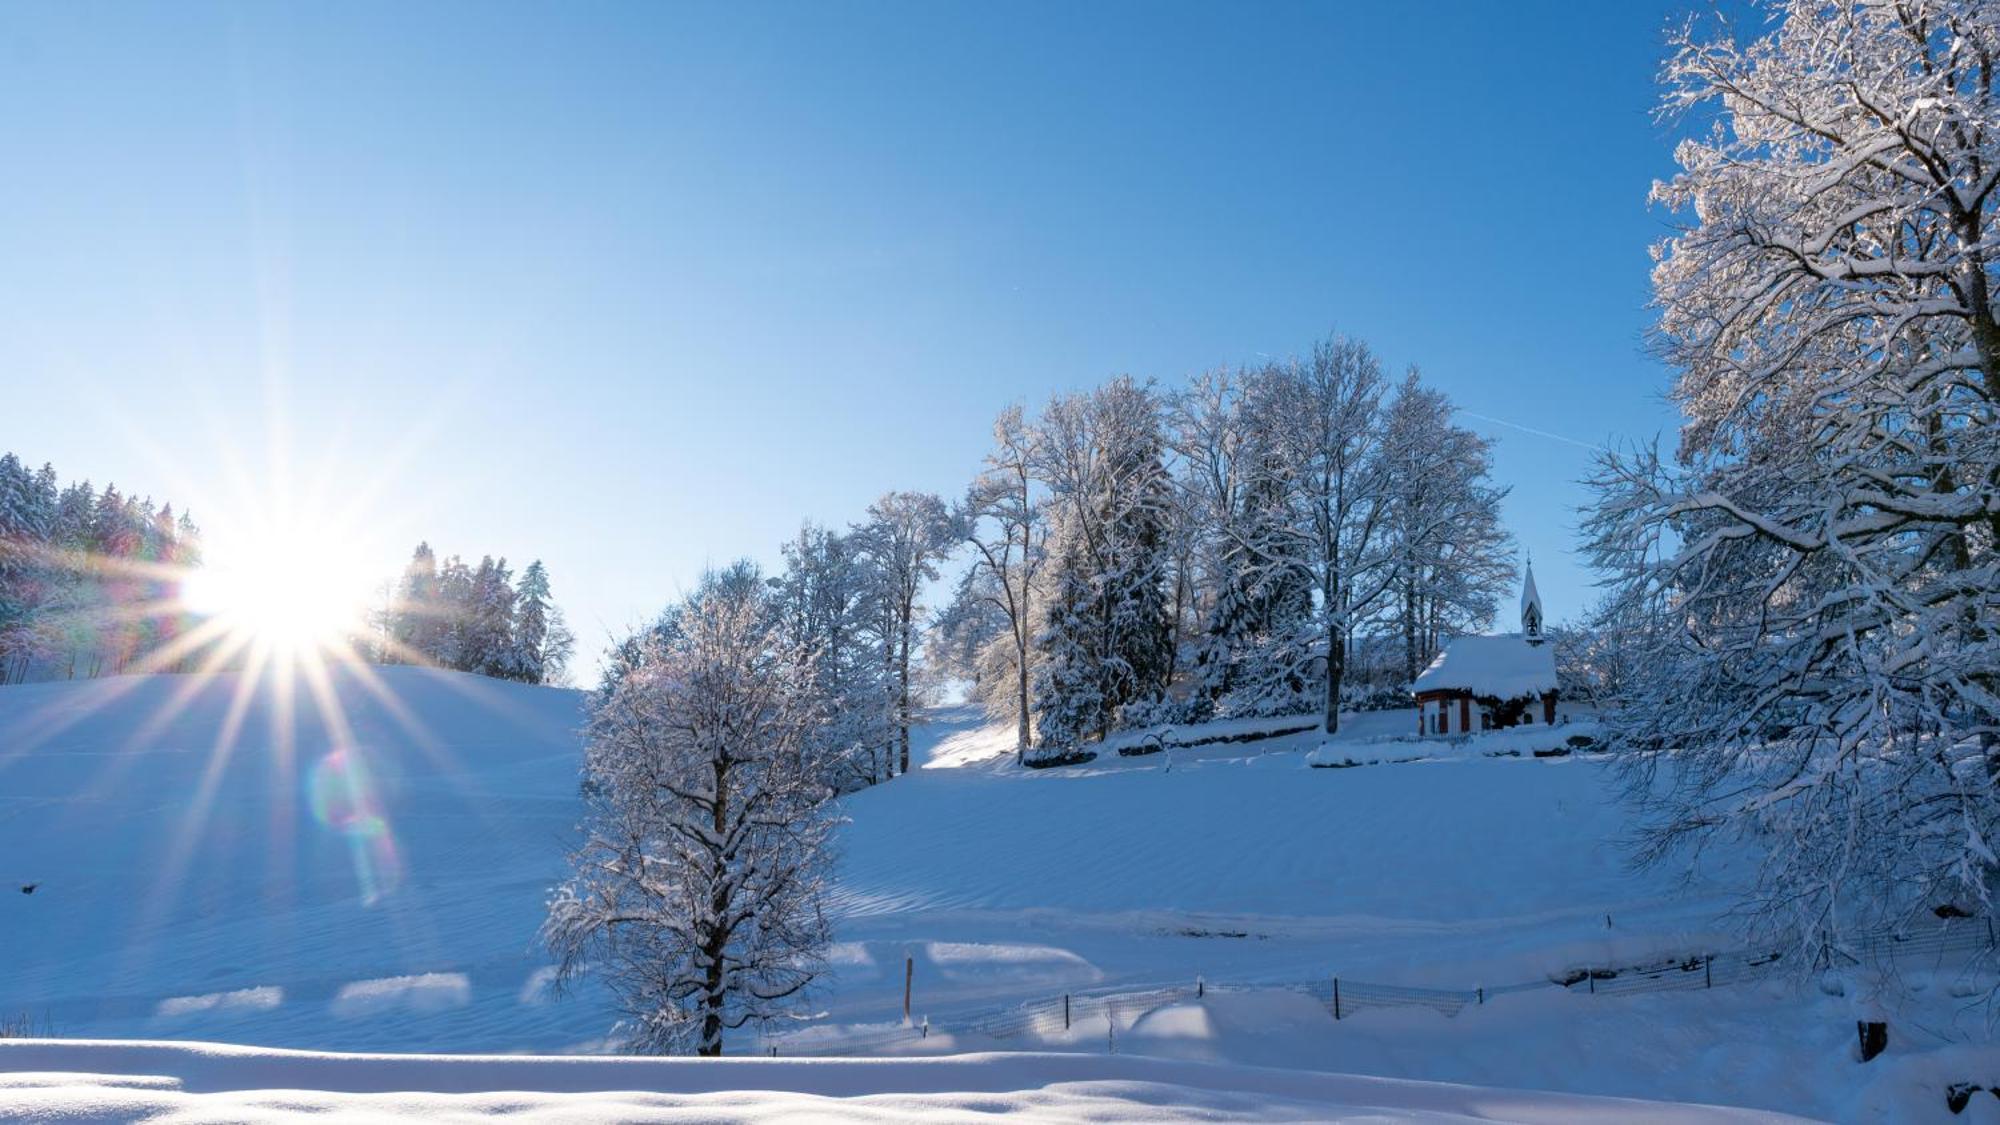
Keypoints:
pixel 1254 654
pixel 828 610
pixel 904 538
pixel 698 895
pixel 1106 638
pixel 1004 522
pixel 1813 586
pixel 1321 420
pixel 1450 557
pixel 542 641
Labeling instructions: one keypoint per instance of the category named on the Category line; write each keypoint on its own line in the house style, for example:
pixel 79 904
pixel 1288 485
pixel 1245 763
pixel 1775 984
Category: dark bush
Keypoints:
pixel 1068 758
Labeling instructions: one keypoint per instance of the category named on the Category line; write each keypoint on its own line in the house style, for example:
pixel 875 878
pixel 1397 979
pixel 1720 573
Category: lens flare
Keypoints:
pixel 345 801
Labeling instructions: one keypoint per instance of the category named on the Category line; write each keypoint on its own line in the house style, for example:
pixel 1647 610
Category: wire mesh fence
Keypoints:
pixel 1344 997
pixel 1052 1017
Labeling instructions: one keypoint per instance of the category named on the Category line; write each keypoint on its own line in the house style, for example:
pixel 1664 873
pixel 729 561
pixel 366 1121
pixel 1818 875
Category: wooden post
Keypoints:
pixel 1200 988
pixel 1708 971
pixel 1336 998
pixel 909 971
pixel 1065 1011
pixel 1591 976
pixel 1482 994
pixel 1874 1037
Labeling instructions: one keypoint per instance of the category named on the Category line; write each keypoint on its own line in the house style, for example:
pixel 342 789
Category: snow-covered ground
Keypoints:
pixel 205 1082
pixel 210 864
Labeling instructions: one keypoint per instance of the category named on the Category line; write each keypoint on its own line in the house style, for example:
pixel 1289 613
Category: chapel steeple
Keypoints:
pixel 1531 608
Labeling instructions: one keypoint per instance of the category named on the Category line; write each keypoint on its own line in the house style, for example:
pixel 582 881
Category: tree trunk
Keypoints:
pixel 1027 621
pixel 711 1014
pixel 1021 683
pixel 1410 631
pixel 903 691
pixel 716 944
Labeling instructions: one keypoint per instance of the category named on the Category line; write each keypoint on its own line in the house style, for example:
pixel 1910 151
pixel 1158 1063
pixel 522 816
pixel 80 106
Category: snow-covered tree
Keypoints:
pixel 1319 421
pixel 698 896
pixel 828 606
pixel 1450 558
pixel 486 639
pixel 455 600
pixel 1003 522
pixel 88 580
pixel 1106 638
pixel 1254 652
pixel 1811 587
pixel 905 536
pixel 542 642
pixel 416 619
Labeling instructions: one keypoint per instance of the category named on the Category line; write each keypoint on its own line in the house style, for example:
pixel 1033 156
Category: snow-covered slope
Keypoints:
pixel 216 857
pixel 364 866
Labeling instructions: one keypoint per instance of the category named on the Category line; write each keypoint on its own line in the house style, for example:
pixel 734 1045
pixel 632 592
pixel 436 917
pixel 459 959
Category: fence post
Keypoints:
pixel 1336 998
pixel 909 971
pixel 1708 971
pixel 1065 1011
pixel 1200 988
pixel 1989 931
pixel 1591 976
pixel 1481 990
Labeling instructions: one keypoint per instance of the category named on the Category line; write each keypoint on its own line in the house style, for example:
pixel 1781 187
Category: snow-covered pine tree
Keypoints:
pixel 541 640
pixel 1101 454
pixel 416 624
pixel 699 894
pixel 1254 651
pixel 489 634
pixel 24 543
pixel 1811 588
pixel 86 579
pixel 453 641
pixel 1069 701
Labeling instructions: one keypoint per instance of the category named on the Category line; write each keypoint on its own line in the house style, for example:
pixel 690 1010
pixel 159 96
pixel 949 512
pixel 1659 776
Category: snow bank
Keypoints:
pixel 111 1080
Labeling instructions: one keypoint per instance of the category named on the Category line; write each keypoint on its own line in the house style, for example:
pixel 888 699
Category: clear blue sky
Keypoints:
pixel 636 288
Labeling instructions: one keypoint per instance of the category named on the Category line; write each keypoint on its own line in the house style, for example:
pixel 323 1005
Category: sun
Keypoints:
pixel 286 588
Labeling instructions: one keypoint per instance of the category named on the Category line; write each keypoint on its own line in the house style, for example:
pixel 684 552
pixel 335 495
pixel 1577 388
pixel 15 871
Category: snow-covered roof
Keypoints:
pixel 1504 667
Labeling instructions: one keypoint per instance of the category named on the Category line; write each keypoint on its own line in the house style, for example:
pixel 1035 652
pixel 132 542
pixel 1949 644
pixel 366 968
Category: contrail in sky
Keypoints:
pixel 1532 430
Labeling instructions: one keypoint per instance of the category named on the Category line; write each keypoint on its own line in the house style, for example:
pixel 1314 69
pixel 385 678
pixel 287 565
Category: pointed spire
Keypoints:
pixel 1531 606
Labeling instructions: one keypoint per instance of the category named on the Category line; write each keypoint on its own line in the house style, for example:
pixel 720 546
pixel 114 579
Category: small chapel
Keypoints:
pixel 1491 682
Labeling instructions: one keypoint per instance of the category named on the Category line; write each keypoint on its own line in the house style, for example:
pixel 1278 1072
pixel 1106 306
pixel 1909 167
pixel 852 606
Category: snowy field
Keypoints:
pixel 214 862
pixel 204 1082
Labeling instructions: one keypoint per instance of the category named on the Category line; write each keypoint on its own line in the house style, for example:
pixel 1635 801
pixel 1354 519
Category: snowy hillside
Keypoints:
pixel 209 865
pixel 206 865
